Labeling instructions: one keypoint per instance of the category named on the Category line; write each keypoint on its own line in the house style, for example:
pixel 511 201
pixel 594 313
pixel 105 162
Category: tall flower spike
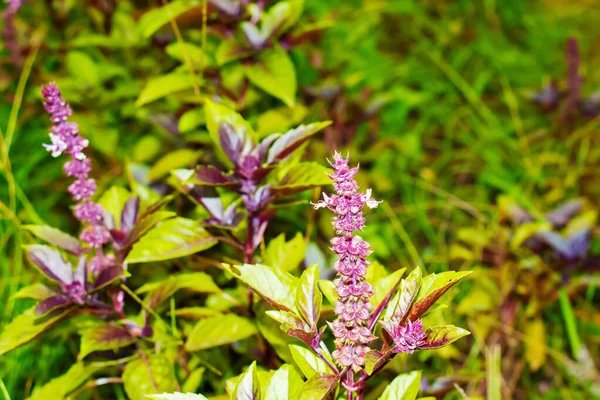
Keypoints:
pixel 65 139
pixel 353 307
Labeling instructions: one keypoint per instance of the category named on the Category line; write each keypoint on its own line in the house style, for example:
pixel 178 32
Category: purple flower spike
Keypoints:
pixel 65 139
pixel 408 337
pixel 353 307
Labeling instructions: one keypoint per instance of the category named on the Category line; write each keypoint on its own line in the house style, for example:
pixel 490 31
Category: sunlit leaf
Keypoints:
pixel 147 376
pixel 308 362
pixel 55 237
pixel 107 336
pixel 291 140
pixel 318 386
pixel 37 291
pixel 407 293
pixel 432 288
pixel 173 238
pixel 274 73
pixel 219 330
pixel 173 160
pixel 164 85
pixel 285 384
pixel 50 262
pixel 305 175
pixel 403 387
pixel 61 387
pixel 248 386
pixel 154 19
pixel 383 286
pixel 440 336
pixel 308 296
pixel 285 255
pixel 113 201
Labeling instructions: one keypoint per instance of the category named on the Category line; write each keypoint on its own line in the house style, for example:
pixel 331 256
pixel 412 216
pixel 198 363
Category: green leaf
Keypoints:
pixel 432 288
pixel 195 281
pixel 154 19
pixel 248 386
pixel 230 50
pixel 274 73
pixel 328 289
pixel 83 68
pixel 153 375
pixel 383 286
pixel 216 114
pixel 277 287
pixel 113 201
pixel 308 296
pixel 107 336
pixel 219 330
pixel 535 344
pixel 403 387
pixel 147 222
pixel 196 312
pixel 61 387
pixel 173 238
pixel 173 160
pixel 285 384
pixel 191 120
pixel 403 300
pixel 308 362
pixel 55 237
pixel 164 85
pixel 305 175
pixel 443 335
pixel 373 360
pixel 318 386
pixel 181 51
pixel 37 291
pixel 293 325
pixel 285 255
pixel 176 396
pixel 26 327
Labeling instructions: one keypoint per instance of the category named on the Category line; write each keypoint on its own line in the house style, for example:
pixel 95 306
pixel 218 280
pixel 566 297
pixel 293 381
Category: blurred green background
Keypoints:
pixel 463 115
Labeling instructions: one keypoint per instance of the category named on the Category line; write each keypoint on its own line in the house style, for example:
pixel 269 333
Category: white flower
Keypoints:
pixel 57 146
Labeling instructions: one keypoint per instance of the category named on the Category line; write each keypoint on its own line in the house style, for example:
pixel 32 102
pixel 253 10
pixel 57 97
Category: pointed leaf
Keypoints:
pixel 52 303
pixel 291 140
pixel 443 335
pixel 432 288
pixel 277 287
pixel 304 175
pixel 130 213
pixel 383 286
pixel 173 160
pixel 55 237
pixel 285 255
pixel 145 223
pixel 37 291
pixel 173 238
pixel 164 85
pixel 154 19
pixel 318 387
pixel 404 299
pixel 375 359
pixel 274 73
pixel 308 296
pixel 219 330
pixel 50 262
pixel 285 384
pixel 26 327
pixel 293 325
pixel 104 337
pixel 113 201
pixel 152 375
pixel 403 387
pixel 328 289
pixel 61 387
pixel 248 387
pixel 308 362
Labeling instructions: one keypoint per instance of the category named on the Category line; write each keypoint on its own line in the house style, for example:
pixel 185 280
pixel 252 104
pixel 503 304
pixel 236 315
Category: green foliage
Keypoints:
pixel 148 375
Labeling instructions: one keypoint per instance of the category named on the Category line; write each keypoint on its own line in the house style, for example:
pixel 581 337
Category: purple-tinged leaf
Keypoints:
pixel 579 243
pixel 231 143
pixel 107 277
pixel 104 337
pixel 211 176
pixel 260 151
pixel 50 262
pixel 375 359
pixel 440 336
pixel 150 375
pixel 547 98
pixel 556 242
pixel 291 140
pixel 26 327
pixel 563 214
pixel 248 386
pixel 294 326
pixel 145 223
pixel 432 288
pixel 55 237
pixel 80 273
pixel 253 35
pixel 208 198
pixel 130 213
pixel 384 303
pixel 318 387
pixel 308 296
pixel 403 301
pixel 52 303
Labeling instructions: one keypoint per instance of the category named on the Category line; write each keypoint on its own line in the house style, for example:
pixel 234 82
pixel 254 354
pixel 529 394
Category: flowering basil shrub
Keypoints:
pixel 368 334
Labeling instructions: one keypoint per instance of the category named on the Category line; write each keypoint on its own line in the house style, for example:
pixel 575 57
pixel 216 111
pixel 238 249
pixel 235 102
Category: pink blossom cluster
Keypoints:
pixel 65 138
pixel 353 309
pixel 408 337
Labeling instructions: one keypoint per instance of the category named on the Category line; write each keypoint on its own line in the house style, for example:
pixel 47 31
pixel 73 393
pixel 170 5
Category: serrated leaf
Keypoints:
pixel 219 330
pixel 104 337
pixel 304 175
pixel 318 386
pixel 113 201
pixel 285 255
pixel 432 288
pixel 176 396
pixel 248 386
pixel 164 85
pixel 274 73
pixel 443 335
pixel 26 327
pixel 150 376
pixel 55 237
pixel 404 299
pixel 308 362
pixel 277 287
pixel 61 387
pixel 403 387
pixel 173 160
pixel 173 238
pixel 308 296
pixel 154 19
pixel 285 384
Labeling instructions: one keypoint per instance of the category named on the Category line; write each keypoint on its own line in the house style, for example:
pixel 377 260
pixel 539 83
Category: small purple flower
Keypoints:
pixel 78 168
pixel 89 212
pixel 95 235
pixel 75 291
pixel 82 189
pixel 352 308
pixel 408 337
